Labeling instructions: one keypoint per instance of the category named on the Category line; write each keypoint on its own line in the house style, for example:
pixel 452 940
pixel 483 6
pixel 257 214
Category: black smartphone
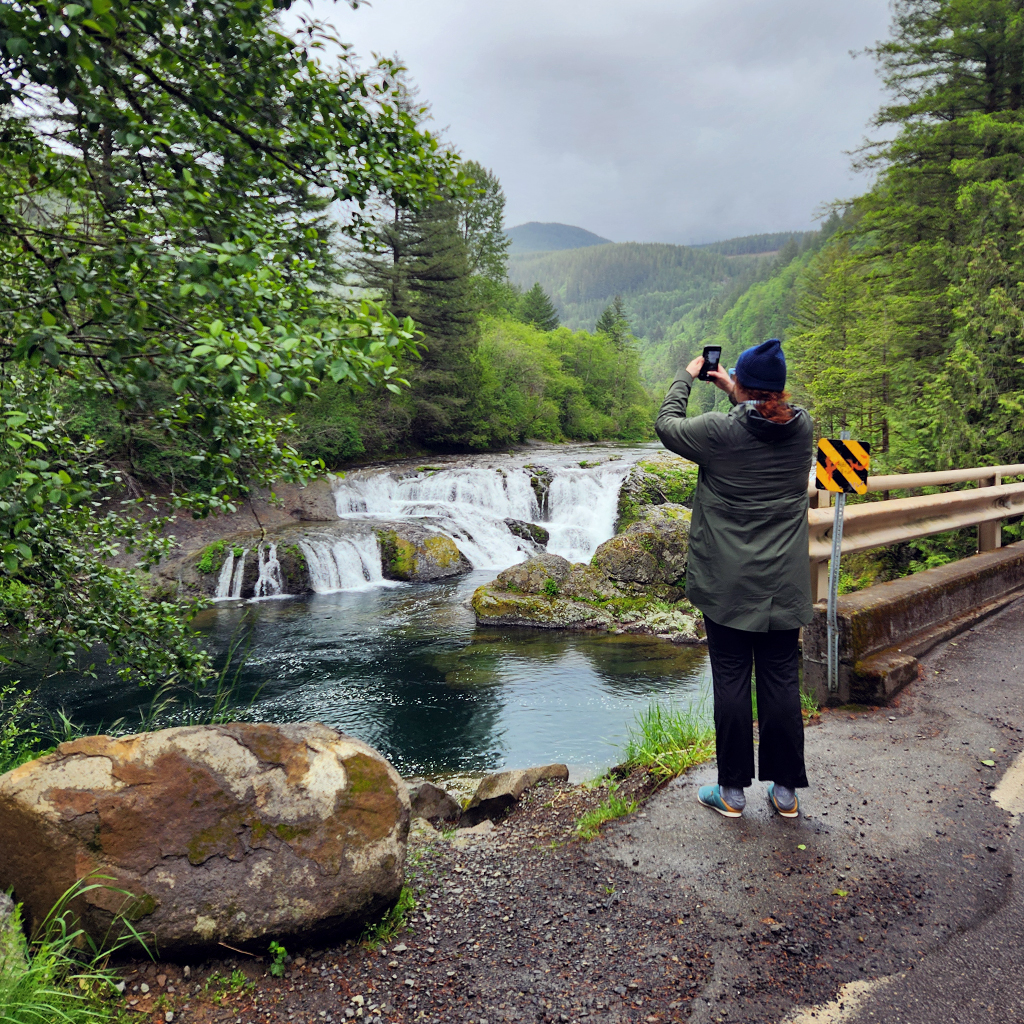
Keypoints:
pixel 712 353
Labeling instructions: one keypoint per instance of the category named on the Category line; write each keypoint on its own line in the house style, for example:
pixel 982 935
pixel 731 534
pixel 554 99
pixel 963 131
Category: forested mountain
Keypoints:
pixel 659 284
pixel 537 237
pixel 750 245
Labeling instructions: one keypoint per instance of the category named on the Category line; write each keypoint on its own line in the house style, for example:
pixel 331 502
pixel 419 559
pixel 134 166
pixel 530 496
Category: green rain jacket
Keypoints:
pixel 747 565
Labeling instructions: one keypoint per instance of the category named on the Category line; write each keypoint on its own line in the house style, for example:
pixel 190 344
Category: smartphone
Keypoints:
pixel 712 353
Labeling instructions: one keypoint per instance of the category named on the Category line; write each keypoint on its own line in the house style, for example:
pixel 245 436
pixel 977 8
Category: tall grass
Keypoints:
pixel 669 740
pixel 61 976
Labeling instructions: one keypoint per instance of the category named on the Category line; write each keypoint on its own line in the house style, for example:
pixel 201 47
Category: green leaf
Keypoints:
pixel 802 846
pixel 224 359
pixel 48 318
pixel 989 764
pixel 840 892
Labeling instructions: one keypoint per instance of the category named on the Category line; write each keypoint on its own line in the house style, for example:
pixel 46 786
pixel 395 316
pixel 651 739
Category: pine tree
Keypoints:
pixel 421 270
pixel 537 309
pixel 929 285
pixel 614 322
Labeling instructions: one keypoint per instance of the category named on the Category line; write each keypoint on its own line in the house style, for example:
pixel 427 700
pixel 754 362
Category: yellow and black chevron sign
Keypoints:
pixel 842 466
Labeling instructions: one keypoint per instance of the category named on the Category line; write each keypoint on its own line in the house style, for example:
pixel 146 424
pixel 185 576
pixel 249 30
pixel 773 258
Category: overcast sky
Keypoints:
pixel 643 120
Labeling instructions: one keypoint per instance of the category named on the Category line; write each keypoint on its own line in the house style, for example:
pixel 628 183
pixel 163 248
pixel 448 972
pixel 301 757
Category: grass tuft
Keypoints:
pixel 392 922
pixel 808 703
pixel 613 806
pixel 61 976
pixel 668 740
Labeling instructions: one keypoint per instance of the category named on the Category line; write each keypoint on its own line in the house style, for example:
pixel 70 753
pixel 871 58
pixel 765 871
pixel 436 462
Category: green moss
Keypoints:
pixel 399 554
pixel 677 483
pixel 550 587
pixel 365 775
pixel 210 841
pixel 442 550
pixel 290 832
pixel 212 558
pixel 142 907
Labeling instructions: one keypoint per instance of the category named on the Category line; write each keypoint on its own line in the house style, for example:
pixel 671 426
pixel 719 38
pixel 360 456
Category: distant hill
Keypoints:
pixel 750 245
pixel 660 283
pixel 537 237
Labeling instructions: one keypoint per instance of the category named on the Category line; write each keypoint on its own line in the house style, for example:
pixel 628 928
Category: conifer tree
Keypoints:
pixel 614 322
pixel 421 270
pixel 537 309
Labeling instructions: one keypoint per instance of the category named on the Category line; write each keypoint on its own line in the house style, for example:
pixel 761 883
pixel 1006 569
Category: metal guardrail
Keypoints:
pixel 879 523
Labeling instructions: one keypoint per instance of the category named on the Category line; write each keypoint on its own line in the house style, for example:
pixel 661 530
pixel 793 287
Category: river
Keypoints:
pixel 404 666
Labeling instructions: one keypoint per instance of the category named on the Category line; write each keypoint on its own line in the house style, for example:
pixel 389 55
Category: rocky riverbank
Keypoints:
pixel 634 583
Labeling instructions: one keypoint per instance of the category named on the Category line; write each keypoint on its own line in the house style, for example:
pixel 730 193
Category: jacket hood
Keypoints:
pixel 768 431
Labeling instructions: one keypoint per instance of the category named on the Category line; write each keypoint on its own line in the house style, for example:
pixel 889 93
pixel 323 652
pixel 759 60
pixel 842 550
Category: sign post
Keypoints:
pixel 843 469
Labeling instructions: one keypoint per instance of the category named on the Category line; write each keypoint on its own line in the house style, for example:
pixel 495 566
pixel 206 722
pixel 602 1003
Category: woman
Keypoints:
pixel 747 569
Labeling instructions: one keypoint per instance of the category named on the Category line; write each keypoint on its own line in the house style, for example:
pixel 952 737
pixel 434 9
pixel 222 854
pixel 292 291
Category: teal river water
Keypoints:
pixel 406 669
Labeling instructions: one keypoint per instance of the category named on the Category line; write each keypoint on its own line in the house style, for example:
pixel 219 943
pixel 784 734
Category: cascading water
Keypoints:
pixel 343 563
pixel 269 582
pixel 232 572
pixel 470 503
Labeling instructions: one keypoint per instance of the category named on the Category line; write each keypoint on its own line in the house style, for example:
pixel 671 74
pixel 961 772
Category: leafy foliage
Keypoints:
pixel 164 177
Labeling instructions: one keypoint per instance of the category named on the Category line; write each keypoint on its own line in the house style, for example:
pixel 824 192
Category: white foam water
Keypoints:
pixel 470 503
pixel 269 582
pixel 229 583
pixel 343 563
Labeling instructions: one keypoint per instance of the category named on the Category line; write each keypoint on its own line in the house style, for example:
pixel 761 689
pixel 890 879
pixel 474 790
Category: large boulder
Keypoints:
pixel 415 554
pixel 227 833
pixel 651 551
pixel 543 591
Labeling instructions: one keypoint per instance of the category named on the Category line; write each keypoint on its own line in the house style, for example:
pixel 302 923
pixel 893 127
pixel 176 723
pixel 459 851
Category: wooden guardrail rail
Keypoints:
pixel 878 523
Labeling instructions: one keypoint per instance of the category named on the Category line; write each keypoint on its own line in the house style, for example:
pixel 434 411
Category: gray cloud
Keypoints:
pixel 646 120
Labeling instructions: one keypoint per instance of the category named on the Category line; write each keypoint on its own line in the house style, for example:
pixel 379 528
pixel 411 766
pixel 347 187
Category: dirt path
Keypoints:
pixel 895 891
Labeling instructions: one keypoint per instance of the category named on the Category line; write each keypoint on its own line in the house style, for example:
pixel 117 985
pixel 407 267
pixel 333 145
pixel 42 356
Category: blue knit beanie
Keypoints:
pixel 763 367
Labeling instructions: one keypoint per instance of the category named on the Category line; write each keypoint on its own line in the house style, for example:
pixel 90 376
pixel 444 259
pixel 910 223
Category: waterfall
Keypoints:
pixel 343 563
pixel 229 583
pixel 470 503
pixel 269 582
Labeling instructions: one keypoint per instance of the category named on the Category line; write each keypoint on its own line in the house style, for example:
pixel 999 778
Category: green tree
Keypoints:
pixel 163 174
pixel 481 217
pixel 537 309
pixel 933 261
pixel 420 267
pixel 614 322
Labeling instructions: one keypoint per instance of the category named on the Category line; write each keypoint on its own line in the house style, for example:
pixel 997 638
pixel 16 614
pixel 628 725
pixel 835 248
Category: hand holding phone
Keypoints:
pixel 712 355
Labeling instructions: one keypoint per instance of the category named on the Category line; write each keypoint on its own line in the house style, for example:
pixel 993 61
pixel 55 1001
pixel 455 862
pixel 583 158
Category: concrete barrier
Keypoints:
pixel 884 629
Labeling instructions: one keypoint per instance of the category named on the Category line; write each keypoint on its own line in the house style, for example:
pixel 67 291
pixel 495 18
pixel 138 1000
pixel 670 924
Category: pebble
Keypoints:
pixel 400 948
pixel 143 988
pixel 168 1016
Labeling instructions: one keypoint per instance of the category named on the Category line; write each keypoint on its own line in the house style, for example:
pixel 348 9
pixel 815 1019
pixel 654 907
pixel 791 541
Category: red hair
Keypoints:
pixel 772 405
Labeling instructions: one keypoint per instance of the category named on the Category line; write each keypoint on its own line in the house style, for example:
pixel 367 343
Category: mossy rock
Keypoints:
pixel 414 555
pixel 651 551
pixel 659 480
pixel 528 531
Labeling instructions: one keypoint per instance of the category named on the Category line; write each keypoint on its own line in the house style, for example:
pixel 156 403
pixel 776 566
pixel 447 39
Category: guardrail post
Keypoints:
pixel 990 535
pixel 819 568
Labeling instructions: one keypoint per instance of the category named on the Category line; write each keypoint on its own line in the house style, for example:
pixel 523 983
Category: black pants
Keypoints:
pixel 781 750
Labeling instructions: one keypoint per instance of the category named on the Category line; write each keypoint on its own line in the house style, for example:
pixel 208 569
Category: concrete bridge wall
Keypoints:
pixel 885 628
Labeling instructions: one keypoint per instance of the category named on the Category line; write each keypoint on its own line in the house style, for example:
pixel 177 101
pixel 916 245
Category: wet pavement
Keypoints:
pixel 900 878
